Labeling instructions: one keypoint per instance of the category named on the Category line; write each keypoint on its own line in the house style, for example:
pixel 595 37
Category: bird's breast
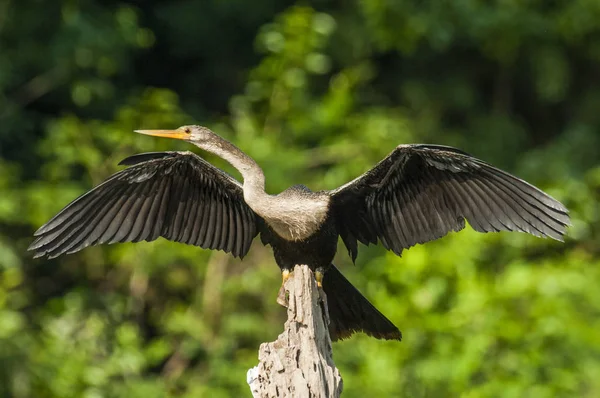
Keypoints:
pixel 298 219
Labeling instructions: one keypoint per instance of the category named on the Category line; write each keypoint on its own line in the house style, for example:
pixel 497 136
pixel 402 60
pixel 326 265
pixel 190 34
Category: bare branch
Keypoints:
pixel 299 363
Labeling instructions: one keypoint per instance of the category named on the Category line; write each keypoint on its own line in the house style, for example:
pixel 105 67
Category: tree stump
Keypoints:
pixel 299 363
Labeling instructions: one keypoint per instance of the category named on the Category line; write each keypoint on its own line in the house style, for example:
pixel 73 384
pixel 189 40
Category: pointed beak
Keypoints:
pixel 177 134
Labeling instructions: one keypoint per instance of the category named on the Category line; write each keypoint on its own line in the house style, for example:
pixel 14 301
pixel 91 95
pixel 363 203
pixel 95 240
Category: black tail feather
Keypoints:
pixel 351 312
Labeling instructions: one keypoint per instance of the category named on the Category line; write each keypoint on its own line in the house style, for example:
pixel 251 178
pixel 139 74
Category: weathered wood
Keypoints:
pixel 299 363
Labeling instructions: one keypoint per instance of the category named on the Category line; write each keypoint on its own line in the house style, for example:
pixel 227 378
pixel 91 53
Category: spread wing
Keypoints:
pixel 421 192
pixel 175 195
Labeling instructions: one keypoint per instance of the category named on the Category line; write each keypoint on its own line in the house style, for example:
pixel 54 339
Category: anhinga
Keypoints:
pixel 416 194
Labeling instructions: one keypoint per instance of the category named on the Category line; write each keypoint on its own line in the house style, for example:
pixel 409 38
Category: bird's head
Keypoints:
pixel 193 133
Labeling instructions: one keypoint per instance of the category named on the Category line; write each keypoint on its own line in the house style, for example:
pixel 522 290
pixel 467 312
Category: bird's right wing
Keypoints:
pixel 421 192
pixel 175 195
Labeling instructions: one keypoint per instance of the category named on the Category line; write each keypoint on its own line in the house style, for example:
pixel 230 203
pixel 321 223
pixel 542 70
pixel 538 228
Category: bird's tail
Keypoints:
pixel 350 311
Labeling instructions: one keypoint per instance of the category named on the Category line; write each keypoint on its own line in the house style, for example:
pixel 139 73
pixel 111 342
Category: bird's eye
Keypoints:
pixel 187 130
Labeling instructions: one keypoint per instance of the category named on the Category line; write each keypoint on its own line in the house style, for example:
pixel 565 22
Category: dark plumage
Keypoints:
pixel 416 194
pixel 175 195
pixel 421 192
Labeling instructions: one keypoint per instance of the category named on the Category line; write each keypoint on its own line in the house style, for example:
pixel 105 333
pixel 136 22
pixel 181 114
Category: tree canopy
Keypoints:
pixel 317 92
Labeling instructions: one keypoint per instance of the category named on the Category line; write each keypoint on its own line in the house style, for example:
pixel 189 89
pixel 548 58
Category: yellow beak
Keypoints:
pixel 177 134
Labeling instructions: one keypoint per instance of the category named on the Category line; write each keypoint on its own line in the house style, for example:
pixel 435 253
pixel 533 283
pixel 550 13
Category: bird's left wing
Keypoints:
pixel 175 195
pixel 421 192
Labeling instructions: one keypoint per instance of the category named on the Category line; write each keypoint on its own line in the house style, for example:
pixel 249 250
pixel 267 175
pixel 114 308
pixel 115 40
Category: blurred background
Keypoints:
pixel 317 92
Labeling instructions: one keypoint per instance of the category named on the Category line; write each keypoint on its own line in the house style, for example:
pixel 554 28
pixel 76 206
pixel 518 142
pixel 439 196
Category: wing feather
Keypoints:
pixel 141 210
pixel 175 195
pixel 206 229
pixel 190 212
pixel 223 223
pixel 421 192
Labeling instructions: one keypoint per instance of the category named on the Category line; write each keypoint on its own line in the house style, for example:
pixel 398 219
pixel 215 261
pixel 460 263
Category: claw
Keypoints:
pixel 319 278
pixel 285 275
pixel 282 297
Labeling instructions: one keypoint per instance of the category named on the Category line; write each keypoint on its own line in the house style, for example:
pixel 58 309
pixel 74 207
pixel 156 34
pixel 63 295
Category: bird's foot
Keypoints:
pixel 322 296
pixel 283 297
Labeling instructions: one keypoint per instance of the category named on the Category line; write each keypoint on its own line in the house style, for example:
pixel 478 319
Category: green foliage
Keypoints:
pixel 317 95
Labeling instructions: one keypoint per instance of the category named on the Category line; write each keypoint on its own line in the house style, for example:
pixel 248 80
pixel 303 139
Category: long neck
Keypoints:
pixel 254 178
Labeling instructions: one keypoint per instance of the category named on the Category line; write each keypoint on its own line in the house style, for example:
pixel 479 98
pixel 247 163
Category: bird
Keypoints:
pixel 417 193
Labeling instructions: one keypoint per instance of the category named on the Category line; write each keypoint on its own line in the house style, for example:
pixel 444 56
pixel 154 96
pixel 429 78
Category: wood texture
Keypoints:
pixel 300 362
